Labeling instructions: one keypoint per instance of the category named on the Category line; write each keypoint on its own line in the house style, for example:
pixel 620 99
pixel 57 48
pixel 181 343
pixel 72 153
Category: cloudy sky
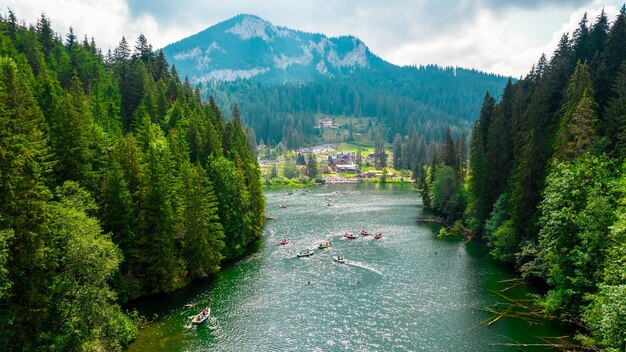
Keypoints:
pixel 501 36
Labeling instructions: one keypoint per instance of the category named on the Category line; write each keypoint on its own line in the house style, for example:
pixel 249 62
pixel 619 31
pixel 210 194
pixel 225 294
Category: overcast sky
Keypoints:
pixel 504 37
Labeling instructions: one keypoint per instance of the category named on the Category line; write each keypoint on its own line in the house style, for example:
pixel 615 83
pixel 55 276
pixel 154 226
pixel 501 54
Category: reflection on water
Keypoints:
pixel 407 291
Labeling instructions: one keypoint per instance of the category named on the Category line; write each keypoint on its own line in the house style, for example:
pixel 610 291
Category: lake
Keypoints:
pixel 408 291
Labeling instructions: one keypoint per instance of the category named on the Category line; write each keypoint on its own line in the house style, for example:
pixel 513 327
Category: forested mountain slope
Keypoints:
pixel 282 77
pixel 547 185
pixel 116 181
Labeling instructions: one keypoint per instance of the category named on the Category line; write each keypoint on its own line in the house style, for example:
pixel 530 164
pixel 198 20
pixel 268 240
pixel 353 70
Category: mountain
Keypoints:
pixel 248 47
pixel 282 79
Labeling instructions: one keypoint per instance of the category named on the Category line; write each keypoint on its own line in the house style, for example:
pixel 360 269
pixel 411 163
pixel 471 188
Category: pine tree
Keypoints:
pixel 311 166
pixel 577 130
pixel 122 52
pixel 397 152
pixel 202 236
pixel 155 230
pixel 24 165
pixel 71 137
pixel 616 115
pixel 449 151
pixel 499 147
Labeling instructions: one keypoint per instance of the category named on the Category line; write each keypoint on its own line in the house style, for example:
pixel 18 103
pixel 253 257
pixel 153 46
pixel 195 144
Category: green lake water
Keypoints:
pixel 406 292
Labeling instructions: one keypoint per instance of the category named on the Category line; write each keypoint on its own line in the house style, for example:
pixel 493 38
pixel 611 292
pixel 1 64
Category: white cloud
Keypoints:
pixel 505 37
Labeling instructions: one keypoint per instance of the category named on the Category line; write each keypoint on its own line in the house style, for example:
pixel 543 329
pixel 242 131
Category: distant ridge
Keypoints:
pixel 249 47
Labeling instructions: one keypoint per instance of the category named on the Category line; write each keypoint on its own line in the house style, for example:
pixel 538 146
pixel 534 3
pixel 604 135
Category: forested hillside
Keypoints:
pixel 428 99
pixel 282 77
pixel 116 181
pixel 547 189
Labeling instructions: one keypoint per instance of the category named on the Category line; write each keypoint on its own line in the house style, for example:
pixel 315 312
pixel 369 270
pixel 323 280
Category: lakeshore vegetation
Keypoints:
pixel 116 181
pixel 546 189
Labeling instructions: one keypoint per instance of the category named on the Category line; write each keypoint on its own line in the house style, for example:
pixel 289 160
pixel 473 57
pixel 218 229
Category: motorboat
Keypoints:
pixel 340 259
pixel 350 236
pixel 365 233
pixel 379 235
pixel 305 253
pixel 282 206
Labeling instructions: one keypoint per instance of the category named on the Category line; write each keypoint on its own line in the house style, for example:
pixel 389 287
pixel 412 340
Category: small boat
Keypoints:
pixel 329 204
pixel 283 206
pixel 349 235
pixel 284 241
pixel 202 316
pixel 340 259
pixel 379 235
pixel 325 245
pixel 189 305
pixel 365 233
pixel 305 253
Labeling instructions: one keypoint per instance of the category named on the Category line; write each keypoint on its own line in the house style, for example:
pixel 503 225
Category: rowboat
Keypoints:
pixel 284 241
pixel 349 235
pixel 305 253
pixel 325 245
pixel 202 316
pixel 379 235
pixel 365 233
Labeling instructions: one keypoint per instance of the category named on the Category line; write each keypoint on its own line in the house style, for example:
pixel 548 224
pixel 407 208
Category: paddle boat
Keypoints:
pixel 365 233
pixel 325 245
pixel 284 241
pixel 201 317
pixel 340 259
pixel 282 206
pixel 305 253
pixel 379 235
pixel 350 236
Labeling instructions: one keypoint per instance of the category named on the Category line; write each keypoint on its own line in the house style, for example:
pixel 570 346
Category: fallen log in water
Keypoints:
pixel 435 219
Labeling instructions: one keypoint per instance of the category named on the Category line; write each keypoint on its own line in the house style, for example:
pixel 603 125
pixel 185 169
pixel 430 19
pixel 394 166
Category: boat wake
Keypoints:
pixel 364 266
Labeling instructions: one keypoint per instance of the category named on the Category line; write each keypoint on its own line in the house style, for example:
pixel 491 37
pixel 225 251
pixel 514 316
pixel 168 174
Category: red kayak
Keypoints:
pixel 349 235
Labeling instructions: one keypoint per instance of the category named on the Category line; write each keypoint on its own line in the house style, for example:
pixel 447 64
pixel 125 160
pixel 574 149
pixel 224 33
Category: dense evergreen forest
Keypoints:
pixel 547 190
pixel 116 181
pixel 427 99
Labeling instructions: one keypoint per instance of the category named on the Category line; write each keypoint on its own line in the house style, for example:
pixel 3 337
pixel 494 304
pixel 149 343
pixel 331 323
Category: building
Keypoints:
pixel 326 122
pixel 325 169
pixel 346 158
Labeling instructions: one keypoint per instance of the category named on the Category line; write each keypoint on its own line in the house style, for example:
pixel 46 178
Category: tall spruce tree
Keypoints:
pixel 577 130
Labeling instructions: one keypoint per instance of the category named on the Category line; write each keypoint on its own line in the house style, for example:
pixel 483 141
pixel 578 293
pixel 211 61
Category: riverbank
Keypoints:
pixel 282 183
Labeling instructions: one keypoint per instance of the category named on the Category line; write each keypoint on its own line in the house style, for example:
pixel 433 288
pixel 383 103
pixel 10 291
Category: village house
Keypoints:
pixel 325 169
pixel 346 158
pixel 326 122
